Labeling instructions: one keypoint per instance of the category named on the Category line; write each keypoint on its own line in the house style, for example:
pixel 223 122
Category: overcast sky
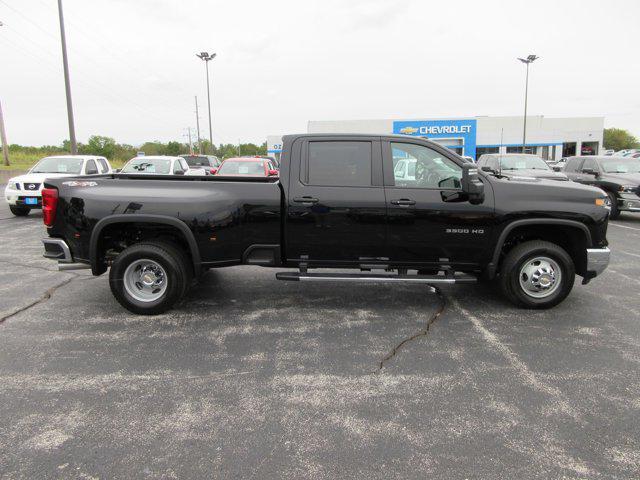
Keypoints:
pixel 134 71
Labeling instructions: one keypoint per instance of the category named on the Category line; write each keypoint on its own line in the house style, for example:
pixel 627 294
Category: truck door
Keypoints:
pixel 429 221
pixel 336 212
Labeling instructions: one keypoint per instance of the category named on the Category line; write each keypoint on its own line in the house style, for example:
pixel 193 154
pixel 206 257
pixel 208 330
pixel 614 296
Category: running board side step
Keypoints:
pixel 380 278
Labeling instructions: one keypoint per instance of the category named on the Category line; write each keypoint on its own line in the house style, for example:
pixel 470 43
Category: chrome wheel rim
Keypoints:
pixel 145 280
pixel 540 277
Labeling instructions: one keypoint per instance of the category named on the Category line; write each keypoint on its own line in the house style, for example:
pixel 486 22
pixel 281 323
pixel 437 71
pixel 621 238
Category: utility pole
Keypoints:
pixel 188 134
pixel 530 59
pixel 198 126
pixel 3 139
pixel 67 84
pixel 207 57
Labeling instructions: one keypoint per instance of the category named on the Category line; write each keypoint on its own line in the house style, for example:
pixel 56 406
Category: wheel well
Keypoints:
pixel 572 239
pixel 115 237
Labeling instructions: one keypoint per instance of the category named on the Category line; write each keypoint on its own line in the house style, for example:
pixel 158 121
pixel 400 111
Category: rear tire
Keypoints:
pixel 615 212
pixel 19 211
pixel 537 274
pixel 149 278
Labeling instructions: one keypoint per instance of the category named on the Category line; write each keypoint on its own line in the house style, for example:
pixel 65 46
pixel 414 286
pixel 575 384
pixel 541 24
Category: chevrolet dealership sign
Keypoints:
pixel 461 133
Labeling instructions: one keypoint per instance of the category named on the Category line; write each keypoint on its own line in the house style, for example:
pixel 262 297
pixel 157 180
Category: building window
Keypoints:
pixel 528 149
pixel 484 150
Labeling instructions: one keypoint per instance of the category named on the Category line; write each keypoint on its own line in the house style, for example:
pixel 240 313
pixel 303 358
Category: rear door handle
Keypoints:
pixel 403 202
pixel 305 200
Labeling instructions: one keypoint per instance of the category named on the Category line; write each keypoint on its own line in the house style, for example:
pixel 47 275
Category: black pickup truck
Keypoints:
pixel 390 208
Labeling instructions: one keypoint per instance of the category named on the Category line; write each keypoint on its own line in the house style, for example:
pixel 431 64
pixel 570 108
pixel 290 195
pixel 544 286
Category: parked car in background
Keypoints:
pixel 518 165
pixel 609 152
pixel 160 165
pixel 619 177
pixel 24 193
pixel 247 166
pixel 632 155
pixel 273 160
pixel 208 163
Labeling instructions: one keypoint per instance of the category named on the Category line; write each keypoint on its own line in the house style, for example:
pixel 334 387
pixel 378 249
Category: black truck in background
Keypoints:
pixel 387 208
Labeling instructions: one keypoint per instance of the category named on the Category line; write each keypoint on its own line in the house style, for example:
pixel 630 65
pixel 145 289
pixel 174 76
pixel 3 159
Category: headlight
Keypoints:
pixel 628 188
pixel 13 185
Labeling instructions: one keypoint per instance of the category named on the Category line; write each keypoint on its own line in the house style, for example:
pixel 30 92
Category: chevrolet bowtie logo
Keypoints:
pixel 408 130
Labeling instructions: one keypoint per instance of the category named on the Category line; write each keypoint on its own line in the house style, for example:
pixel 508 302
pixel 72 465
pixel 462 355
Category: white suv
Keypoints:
pixel 25 192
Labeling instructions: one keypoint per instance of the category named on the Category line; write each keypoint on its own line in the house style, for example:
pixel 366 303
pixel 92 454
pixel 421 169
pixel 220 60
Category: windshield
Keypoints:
pixel 231 167
pixel 197 160
pixel 148 165
pixel 620 165
pixel 58 165
pixel 523 162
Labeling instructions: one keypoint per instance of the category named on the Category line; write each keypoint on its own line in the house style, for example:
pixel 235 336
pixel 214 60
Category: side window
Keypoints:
pixel 590 163
pixel 339 164
pixel 104 166
pixel 424 167
pixel 177 166
pixel 90 168
pixel 572 165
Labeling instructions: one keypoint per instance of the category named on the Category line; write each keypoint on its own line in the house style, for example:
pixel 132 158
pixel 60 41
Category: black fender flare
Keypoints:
pixel 136 218
pixel 493 265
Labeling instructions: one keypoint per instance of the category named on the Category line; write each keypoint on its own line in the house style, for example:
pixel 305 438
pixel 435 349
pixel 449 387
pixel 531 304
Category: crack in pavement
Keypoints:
pixel 45 297
pixel 421 333
pixel 24 265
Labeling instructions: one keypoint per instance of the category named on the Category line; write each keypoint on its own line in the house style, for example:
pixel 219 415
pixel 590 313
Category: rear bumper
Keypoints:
pixel 597 260
pixel 57 249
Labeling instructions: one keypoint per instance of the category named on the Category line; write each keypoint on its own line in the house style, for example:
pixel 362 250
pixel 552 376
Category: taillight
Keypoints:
pixel 49 205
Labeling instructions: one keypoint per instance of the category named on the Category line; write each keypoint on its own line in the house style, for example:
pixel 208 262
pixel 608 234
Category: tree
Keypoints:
pixel 173 148
pixel 99 145
pixel 619 139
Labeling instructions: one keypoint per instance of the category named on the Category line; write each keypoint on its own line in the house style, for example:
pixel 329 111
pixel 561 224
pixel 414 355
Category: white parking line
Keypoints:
pixel 624 226
pixel 628 253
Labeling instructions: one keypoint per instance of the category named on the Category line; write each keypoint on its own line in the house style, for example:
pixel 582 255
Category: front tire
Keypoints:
pixel 149 278
pixel 537 274
pixel 19 211
pixel 615 212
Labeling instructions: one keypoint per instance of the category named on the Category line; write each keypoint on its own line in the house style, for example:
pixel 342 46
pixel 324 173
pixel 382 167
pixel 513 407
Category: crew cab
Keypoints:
pixel 24 193
pixel 335 205
pixel 619 177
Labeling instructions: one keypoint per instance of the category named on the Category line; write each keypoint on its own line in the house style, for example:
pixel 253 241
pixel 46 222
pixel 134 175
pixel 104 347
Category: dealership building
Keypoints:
pixel 550 138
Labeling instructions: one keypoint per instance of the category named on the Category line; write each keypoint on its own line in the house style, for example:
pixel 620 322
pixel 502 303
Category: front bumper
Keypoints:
pixel 17 198
pixel 597 260
pixel 628 202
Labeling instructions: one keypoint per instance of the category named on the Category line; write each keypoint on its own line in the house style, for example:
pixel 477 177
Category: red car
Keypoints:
pixel 247 167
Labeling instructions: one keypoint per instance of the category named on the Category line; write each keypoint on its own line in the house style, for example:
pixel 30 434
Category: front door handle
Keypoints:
pixel 305 200
pixel 403 202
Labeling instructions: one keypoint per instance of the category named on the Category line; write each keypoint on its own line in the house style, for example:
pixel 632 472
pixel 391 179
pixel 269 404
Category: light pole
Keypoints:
pixel 527 61
pixel 67 84
pixel 206 57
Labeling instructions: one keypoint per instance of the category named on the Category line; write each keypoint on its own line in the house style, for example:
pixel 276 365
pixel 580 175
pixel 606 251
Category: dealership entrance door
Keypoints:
pixel 569 149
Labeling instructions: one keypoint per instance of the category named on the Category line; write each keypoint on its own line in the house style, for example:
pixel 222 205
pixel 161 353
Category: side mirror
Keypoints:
pixel 589 171
pixel 487 169
pixel 273 173
pixel 117 170
pixel 472 186
pixel 556 168
pixel 179 172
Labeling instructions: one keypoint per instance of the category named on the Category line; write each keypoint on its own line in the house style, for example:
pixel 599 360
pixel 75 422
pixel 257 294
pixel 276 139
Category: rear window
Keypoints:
pixel 147 165
pixel 232 167
pixel 338 164
pixel 197 160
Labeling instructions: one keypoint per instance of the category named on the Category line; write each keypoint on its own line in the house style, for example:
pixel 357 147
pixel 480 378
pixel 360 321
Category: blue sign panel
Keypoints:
pixel 462 133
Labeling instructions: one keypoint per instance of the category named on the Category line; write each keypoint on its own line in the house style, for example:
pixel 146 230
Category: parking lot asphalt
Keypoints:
pixel 254 378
